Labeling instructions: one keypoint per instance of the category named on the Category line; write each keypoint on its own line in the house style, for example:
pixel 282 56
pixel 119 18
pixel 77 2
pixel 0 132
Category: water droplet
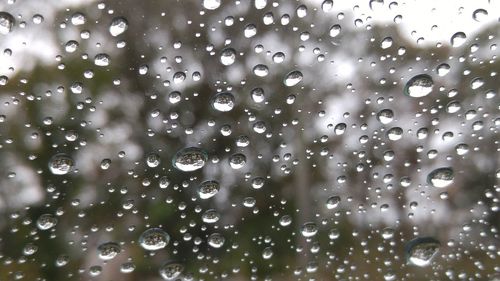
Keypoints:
pixel 71 46
pixel 376 4
pixel 293 78
pixel 190 159
pixel 387 233
pixel 327 6
pixel 153 160
pixel 285 220
pixel 46 221
pixel 335 30
pixel 480 15
pixel 223 102
pixel 6 23
pixel 441 177
pixel 61 164
pixel 101 59
pixel 171 270
pixel 267 253
pixel 261 70
pixel 279 57
pixel 228 56
pixel 154 239
pixel 210 216
pixel 37 19
pixel 211 4
pixel 179 77
pixel 419 86
pixel 385 116
pixel 237 161
pixel 78 19
pixel 108 250
pixel 208 189
pixel 260 4
pixel 420 251
pixel 250 31
pixel 332 202
pixel 443 69
pixel 118 26
pixel 386 43
pixel 458 39
pixel 309 229
pixel 453 106
pixel 257 95
pixel 216 240
pixel 395 133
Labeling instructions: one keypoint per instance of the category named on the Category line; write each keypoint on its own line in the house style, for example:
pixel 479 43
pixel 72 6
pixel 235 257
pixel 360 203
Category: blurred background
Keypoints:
pixel 345 130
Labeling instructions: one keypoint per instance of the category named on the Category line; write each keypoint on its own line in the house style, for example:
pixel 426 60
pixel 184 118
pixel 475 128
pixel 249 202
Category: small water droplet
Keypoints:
pixel 441 177
pixel 419 86
pixel 257 95
pixel 154 239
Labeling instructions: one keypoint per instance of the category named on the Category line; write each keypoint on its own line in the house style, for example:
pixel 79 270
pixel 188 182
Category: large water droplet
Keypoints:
pixel 441 177
pixel 223 102
pixel 154 239
pixel 6 23
pixel 458 39
pixel 385 116
pixel 309 229
pixel 118 26
pixel 420 251
pixel 46 221
pixel 332 202
pixel 228 56
pixel 293 78
pixel 419 86
pixel 211 4
pixel 61 164
pixel 108 250
pixel 171 270
pixel 335 30
pixel 237 161
pixel 257 95
pixel 190 159
pixel 208 189
pixel 480 15
pixel 210 216
pixel 101 59
pixel 443 69
pixel 78 18
pixel 216 240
